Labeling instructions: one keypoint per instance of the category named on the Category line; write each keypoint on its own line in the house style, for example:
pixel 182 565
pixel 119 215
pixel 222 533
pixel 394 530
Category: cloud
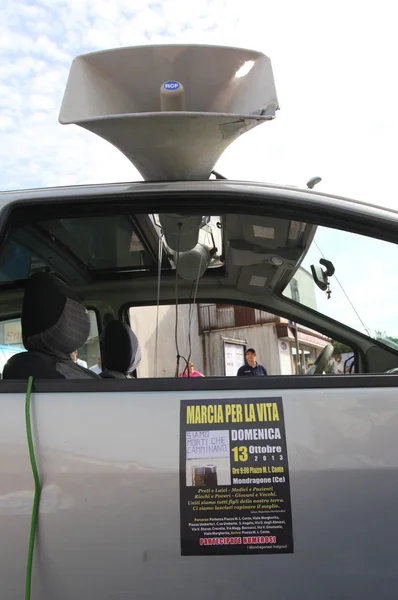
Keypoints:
pixel 7 123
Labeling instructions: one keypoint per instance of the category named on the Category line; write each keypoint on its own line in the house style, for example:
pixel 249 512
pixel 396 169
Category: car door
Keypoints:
pixel 210 487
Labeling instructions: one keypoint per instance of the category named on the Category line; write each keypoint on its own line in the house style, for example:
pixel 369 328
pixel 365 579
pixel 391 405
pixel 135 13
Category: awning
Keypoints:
pixel 286 332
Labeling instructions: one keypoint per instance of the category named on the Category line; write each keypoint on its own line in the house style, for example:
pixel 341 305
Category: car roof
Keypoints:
pixel 221 185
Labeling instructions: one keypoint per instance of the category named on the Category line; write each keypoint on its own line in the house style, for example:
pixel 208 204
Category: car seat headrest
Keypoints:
pixel 121 349
pixel 53 319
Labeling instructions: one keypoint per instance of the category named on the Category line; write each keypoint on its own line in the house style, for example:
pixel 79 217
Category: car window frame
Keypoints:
pixel 328 211
pixel 359 356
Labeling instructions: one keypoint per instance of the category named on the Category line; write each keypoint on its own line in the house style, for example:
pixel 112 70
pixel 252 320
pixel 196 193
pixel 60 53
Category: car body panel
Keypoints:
pixel 109 517
pixel 108 457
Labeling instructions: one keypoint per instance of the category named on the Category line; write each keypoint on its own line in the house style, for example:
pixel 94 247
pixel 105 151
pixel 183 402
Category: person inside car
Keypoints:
pixel 54 323
pixel 77 360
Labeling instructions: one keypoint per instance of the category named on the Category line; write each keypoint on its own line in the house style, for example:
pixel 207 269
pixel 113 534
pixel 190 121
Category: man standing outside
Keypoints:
pixel 251 368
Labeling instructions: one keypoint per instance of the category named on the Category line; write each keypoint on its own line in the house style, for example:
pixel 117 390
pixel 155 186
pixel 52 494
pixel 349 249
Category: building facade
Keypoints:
pixel 214 337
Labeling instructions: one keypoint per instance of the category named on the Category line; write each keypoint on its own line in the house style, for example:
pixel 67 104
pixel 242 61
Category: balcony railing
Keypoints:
pixel 225 316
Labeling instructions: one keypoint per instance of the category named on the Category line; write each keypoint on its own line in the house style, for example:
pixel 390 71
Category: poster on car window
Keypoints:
pixel 234 478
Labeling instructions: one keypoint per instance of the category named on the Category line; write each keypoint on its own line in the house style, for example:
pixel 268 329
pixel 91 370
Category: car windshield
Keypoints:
pixel 362 290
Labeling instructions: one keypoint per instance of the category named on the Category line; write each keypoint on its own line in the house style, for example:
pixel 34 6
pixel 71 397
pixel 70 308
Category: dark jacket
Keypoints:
pixel 247 370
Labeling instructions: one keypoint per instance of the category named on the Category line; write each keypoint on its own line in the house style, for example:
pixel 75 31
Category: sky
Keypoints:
pixel 334 65
pixel 364 287
pixel 335 72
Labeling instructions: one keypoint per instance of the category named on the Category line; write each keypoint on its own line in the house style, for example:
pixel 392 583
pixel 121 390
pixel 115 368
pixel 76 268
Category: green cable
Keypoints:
pixel 36 500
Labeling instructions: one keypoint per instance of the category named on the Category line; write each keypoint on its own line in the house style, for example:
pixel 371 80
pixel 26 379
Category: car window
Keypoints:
pixel 214 337
pixel 11 342
pixel 361 293
pixel 241 272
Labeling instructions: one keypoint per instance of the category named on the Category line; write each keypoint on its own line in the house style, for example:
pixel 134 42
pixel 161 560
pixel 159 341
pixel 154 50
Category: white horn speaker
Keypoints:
pixel 172 110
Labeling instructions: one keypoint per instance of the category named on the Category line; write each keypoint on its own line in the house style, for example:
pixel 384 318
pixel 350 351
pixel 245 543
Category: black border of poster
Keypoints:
pixel 236 528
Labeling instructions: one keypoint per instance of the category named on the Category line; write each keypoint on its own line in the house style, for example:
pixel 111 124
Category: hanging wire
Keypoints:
pixel 346 295
pixel 178 355
pixel 160 256
pixel 187 349
pixel 176 292
pixel 193 303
